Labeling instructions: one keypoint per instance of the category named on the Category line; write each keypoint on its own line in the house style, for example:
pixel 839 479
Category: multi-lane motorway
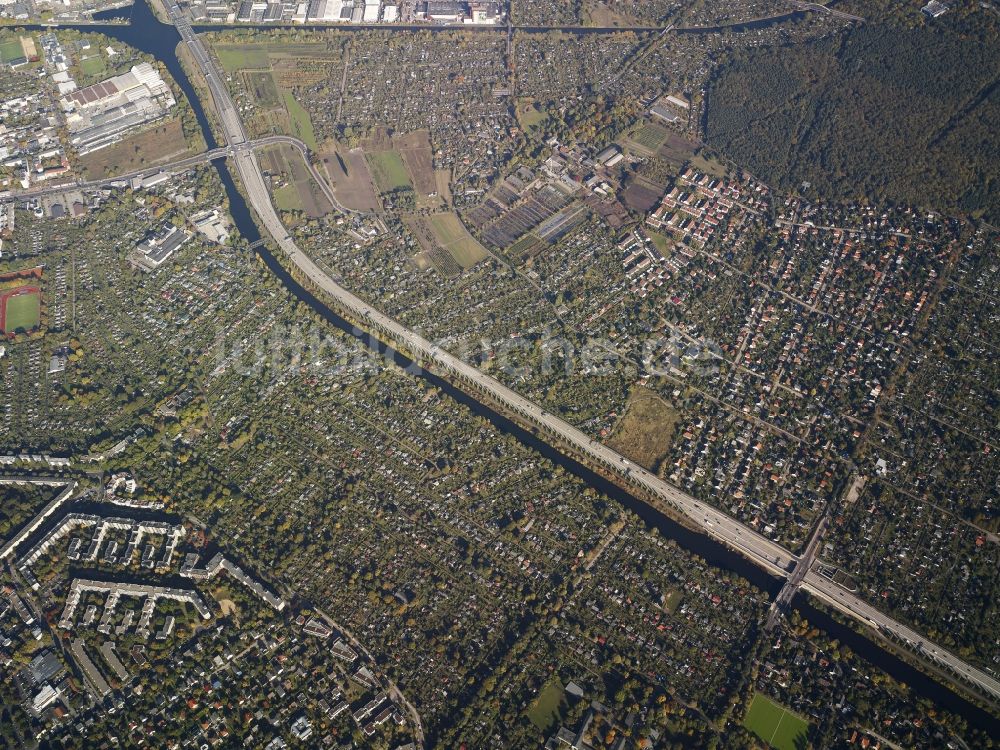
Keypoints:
pixel 766 553
pixel 178 165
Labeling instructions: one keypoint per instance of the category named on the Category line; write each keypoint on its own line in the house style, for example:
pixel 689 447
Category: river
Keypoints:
pixel 146 33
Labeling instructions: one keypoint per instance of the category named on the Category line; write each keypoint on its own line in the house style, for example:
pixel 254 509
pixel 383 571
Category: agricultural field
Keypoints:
pixel 648 139
pixel 777 726
pixel 389 171
pixel 415 150
pixel 446 243
pixel 642 195
pixel 161 143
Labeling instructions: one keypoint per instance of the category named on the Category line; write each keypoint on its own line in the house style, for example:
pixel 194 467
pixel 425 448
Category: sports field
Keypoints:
pixel 776 725
pixel 20 310
pixel 10 49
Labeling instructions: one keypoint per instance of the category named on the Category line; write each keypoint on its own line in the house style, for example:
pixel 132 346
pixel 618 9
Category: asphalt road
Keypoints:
pixel 766 553
pixel 172 166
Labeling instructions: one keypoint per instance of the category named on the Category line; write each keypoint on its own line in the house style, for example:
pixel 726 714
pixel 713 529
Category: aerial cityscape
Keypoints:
pixel 477 374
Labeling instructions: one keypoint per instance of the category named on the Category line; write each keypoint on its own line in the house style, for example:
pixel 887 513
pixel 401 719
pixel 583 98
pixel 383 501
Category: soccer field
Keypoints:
pixel 776 725
pixel 21 311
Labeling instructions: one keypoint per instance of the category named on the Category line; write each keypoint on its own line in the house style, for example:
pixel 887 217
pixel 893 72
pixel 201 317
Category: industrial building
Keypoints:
pixel 98 115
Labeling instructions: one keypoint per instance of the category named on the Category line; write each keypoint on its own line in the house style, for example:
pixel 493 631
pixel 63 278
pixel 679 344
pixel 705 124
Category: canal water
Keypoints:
pixel 146 33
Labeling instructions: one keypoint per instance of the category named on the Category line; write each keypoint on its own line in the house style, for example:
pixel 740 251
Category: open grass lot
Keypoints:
pixel 286 198
pixel 645 432
pixel 388 170
pixel 544 712
pixel 301 193
pixel 660 241
pixel 676 149
pixel 598 13
pixel 234 58
pixel 22 311
pixel 777 726
pixel 10 48
pixel 263 89
pixel 529 115
pixel 708 166
pixel 452 235
pixel 93 68
pixel 161 143
pixel 672 600
pixel 301 125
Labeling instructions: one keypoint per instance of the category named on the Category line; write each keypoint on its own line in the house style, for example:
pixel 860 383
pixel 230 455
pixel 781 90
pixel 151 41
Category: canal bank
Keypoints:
pixel 151 36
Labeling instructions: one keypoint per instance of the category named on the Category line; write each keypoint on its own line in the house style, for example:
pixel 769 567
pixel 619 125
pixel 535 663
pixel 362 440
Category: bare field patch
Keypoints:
pixel 415 149
pixel 158 144
pixel 349 176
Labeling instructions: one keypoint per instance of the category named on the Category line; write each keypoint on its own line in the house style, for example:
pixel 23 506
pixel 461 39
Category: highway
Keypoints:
pixel 178 165
pixel 761 550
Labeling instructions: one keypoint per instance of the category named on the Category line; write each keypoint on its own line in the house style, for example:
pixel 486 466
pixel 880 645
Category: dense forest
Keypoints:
pixel 883 111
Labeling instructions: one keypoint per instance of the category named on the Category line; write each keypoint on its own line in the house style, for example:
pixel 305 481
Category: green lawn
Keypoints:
pixel 93 67
pixel 530 115
pixel 660 242
pixel 544 712
pixel 10 49
pixel 301 124
pixel 389 171
pixel 672 601
pixel 23 311
pixel 708 166
pixel 235 58
pixel 287 198
pixel 776 725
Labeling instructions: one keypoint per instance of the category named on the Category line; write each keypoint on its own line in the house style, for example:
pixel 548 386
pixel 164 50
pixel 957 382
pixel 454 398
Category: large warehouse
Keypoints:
pixel 98 115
